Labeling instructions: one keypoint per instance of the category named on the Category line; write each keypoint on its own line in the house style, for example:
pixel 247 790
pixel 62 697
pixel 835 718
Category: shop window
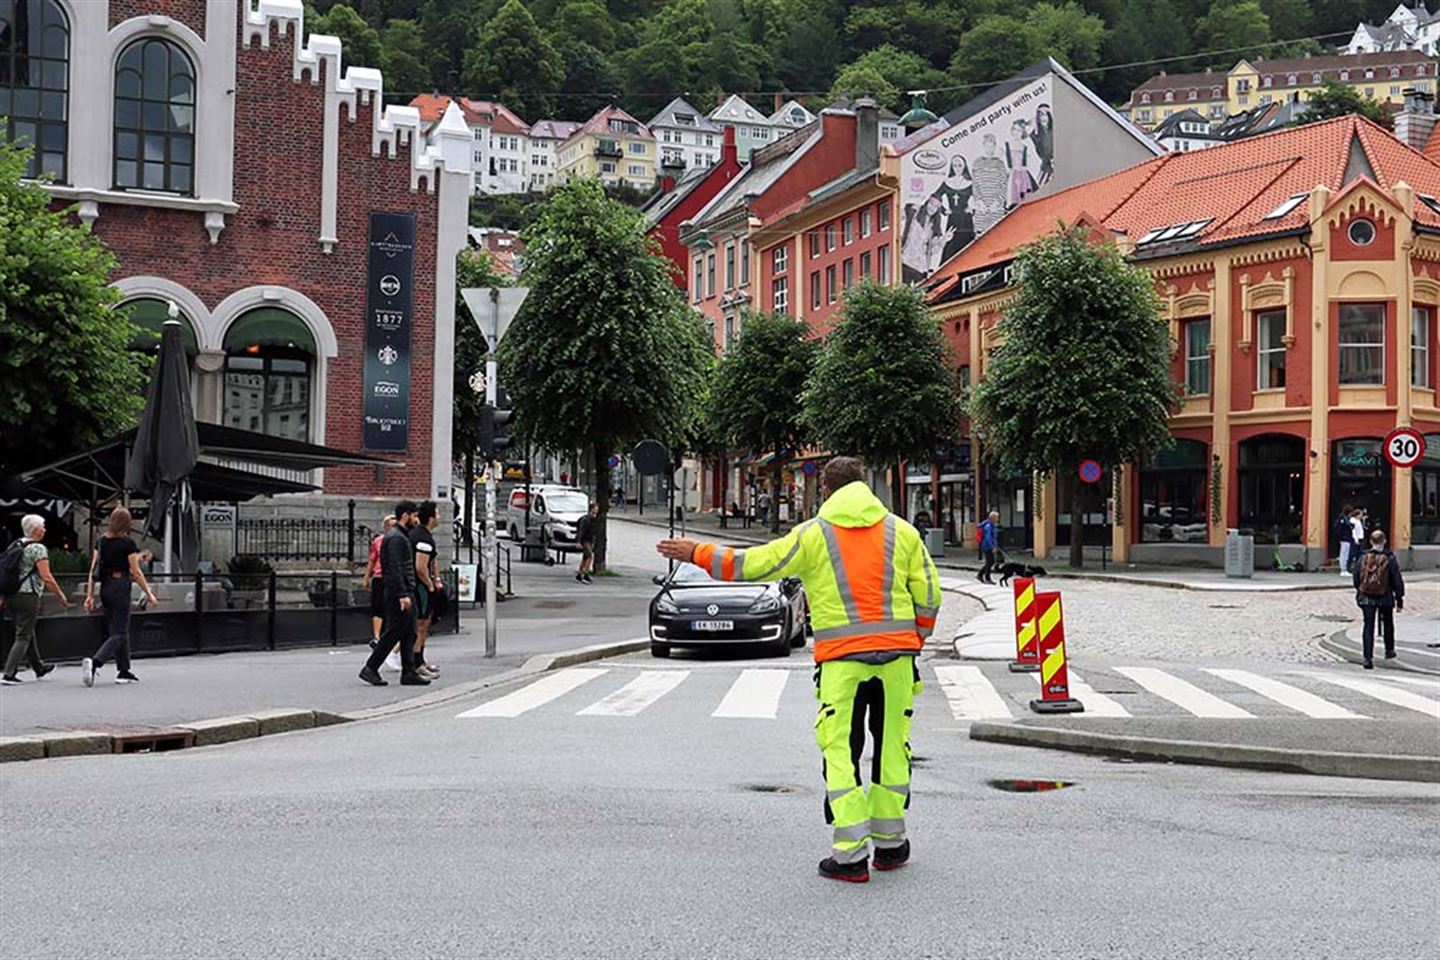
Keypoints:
pixel 155 118
pixel 1270 350
pixel 35 82
pixel 1362 343
pixel 1173 485
pixel 1271 478
pixel 1197 358
pixel 269 358
pixel 1425 494
pixel 1420 347
pixel 1361 477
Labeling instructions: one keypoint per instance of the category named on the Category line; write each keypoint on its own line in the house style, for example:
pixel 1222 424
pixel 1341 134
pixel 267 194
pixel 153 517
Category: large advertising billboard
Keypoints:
pixel 961 181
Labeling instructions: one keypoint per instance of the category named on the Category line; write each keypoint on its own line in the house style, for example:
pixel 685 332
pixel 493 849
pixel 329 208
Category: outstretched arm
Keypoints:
pixel 769 561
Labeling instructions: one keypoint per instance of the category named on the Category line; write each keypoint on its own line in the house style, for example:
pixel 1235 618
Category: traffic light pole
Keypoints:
pixel 492 546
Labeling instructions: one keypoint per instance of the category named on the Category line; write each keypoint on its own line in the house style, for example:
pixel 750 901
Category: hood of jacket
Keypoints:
pixel 853 505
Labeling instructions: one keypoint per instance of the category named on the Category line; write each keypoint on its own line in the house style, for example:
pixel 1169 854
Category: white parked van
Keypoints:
pixel 559 506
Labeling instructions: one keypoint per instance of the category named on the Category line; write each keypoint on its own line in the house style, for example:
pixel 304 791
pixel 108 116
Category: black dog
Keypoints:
pixel 1008 570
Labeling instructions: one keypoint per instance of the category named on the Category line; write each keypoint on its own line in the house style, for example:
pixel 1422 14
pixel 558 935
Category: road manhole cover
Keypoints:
pixel 1017 785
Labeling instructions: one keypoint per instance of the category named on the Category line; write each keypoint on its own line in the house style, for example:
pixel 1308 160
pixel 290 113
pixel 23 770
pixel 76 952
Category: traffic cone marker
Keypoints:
pixel 1054 678
pixel 1027 649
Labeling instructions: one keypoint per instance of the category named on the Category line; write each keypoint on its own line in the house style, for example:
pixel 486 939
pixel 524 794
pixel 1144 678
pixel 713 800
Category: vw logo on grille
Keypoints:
pixel 713 609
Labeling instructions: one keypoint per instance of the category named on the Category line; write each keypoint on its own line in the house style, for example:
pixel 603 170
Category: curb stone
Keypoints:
pixel 283 720
pixel 76 743
pixel 1316 762
pixel 21 748
pixel 222 730
pixel 1337 644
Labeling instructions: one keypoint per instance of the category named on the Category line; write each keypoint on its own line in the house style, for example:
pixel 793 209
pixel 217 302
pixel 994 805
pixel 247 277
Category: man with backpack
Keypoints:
pixel 24 577
pixel 1379 591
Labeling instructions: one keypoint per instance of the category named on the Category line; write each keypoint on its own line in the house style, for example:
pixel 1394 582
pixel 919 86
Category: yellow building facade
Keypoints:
pixel 611 146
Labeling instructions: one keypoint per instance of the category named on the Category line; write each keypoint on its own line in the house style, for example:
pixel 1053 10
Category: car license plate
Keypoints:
pixel 713 626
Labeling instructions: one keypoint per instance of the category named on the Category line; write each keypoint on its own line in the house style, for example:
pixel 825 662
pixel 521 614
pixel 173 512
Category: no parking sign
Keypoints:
pixel 1090 471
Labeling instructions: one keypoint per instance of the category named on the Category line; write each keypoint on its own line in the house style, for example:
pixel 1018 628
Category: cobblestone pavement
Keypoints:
pixel 1124 620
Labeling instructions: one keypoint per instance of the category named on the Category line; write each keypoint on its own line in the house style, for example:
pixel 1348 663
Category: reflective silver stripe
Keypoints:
pixel 888 566
pixel 851 854
pixel 887 828
pixel 842 582
pixel 837 794
pixel 862 629
pixel 903 788
pixel 738 567
pixel 927 611
pixel 860 831
pixel 924 632
pixel 794 549
pixel 716 559
pixel 929 566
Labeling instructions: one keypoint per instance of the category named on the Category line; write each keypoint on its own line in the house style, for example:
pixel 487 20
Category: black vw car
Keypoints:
pixel 693 609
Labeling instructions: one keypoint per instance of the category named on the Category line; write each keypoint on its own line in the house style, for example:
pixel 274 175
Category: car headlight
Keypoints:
pixel 766 604
pixel 664 604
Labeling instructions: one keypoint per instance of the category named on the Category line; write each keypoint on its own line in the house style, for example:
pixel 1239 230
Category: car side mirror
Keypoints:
pixel 790 585
pixel 658 579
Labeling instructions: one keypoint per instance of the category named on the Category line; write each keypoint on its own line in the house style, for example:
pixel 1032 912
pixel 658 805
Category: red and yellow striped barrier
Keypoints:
pixel 1027 650
pixel 1054 678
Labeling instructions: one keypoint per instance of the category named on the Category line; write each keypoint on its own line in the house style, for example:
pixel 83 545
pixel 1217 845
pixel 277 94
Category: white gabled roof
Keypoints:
pixel 736 110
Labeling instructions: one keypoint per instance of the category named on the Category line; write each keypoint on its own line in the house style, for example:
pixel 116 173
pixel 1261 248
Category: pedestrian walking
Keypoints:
pixel 428 585
pixel 1379 592
pixel 874 594
pixel 375 583
pixel 1345 538
pixel 989 544
pixel 115 562
pixel 27 563
pixel 397 569
pixel 1357 537
pixel 585 532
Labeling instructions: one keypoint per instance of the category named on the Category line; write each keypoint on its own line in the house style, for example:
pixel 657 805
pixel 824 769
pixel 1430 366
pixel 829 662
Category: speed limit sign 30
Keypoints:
pixel 1404 447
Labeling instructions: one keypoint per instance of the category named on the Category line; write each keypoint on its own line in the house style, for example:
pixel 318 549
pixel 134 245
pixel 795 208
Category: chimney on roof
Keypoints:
pixel 728 152
pixel 1162 73
pixel 1416 121
pixel 1207 71
pixel 779 101
pixel 867 134
pixel 719 97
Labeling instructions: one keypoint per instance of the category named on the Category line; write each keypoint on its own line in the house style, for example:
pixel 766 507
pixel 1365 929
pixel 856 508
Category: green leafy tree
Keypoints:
pixel 1335 99
pixel 886 73
pixel 473 268
pixel 884 387
pixel 406 60
pixel 1145 30
pixel 1289 18
pixel 68 375
pixel 1231 24
pixel 604 353
pixel 515 63
pixel 1083 368
pixel 996 47
pixel 755 397
pixel 805 56
pixel 1068 33
pixel 360 41
pixel 651 70
pixel 591 80
pixel 584 21
pixel 450 28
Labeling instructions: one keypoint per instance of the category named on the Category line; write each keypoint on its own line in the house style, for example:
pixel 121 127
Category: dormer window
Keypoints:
pixel 1344 76
pixel 1266 81
pixel 1394 72
pixel 1169 96
pixel 1215 92
pixel 1315 78
pixel 1291 79
pixel 685 119
pixel 1369 74
pixel 1144 98
pixel 1193 95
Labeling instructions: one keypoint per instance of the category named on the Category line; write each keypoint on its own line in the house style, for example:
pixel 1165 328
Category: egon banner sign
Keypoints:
pixel 389 302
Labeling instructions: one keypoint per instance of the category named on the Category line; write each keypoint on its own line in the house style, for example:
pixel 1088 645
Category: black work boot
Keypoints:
pixel 857 872
pixel 892 858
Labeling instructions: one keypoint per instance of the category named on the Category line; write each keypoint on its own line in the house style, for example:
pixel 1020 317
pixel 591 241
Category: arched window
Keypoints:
pixel 1173 508
pixel 1394 71
pixel 1169 96
pixel 269 360
pixel 155 118
pixel 1144 98
pixel 1272 487
pixel 35 82
pixel 150 314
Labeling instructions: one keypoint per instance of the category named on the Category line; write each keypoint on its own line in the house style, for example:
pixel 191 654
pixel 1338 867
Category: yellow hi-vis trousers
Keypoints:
pixel 854 695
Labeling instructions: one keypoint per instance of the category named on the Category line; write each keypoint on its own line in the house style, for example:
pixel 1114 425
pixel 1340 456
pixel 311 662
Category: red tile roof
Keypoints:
pixel 1234 186
pixel 478 113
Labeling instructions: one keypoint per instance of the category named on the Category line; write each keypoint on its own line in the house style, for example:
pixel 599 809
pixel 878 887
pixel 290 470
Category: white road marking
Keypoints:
pixel 1385 692
pixel 971 696
pixel 542 691
pixel 1417 681
pixel 1096 704
pixel 636 695
pixel 1186 696
pixel 754 694
pixel 1287 696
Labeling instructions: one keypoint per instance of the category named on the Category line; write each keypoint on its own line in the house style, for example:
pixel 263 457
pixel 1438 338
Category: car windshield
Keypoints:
pixel 689 573
pixel 567 502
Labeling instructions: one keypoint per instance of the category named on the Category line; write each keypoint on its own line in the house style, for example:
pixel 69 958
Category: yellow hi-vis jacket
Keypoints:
pixel 869 580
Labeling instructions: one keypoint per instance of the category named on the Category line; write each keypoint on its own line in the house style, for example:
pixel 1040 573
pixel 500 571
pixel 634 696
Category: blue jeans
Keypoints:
pixel 115 601
pixel 1387 629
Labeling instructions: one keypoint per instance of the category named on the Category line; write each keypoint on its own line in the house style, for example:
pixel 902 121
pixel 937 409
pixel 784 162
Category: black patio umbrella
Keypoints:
pixel 166 448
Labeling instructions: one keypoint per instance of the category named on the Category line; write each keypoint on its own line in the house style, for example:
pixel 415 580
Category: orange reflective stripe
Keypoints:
pixel 727 564
pixel 860 566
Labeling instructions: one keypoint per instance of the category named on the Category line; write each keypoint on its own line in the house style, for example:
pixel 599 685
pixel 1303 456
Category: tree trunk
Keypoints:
pixel 897 490
pixel 1078 501
pixel 602 498
pixel 775 494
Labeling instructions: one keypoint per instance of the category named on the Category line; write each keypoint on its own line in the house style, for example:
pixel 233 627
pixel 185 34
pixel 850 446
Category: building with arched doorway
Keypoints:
pixel 1299 276
pixel 242 172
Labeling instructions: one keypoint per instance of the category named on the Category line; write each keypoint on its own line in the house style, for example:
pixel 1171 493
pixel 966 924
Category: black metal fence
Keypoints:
pixel 219 613
pixel 285 538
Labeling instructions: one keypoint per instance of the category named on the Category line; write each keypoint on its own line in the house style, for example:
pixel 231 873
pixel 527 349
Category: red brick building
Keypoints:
pixel 1300 277
pixel 233 168
pixel 679 200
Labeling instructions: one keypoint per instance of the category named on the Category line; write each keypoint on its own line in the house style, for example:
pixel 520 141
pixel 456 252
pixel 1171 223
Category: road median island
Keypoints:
pixel 1260 756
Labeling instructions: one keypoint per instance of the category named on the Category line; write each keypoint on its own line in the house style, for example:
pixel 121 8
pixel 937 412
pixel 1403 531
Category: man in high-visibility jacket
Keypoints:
pixel 873 595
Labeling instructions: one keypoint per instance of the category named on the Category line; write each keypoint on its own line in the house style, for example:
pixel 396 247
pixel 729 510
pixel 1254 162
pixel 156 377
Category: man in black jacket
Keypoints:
pixel 1379 592
pixel 397 568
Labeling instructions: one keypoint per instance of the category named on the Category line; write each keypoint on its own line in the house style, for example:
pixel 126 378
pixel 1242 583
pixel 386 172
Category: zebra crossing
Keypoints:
pixel 967 692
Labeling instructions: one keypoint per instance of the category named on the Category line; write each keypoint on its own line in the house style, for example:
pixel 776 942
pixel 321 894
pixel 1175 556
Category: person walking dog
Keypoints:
pixel 115 561
pixel 1379 592
pixel 27 563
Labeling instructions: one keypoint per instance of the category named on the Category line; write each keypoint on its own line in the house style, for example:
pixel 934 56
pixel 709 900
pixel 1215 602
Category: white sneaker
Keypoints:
pixel 87 672
pixel 392 662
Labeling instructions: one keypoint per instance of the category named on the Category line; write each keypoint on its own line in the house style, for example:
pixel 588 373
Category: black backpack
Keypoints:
pixel 10 568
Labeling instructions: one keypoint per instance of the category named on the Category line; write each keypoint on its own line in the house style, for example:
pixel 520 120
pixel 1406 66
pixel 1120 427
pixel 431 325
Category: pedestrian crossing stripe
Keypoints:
pixel 636 695
pixel 1184 695
pixel 1286 695
pixel 1383 691
pixel 970 695
pixel 755 694
pixel 549 687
